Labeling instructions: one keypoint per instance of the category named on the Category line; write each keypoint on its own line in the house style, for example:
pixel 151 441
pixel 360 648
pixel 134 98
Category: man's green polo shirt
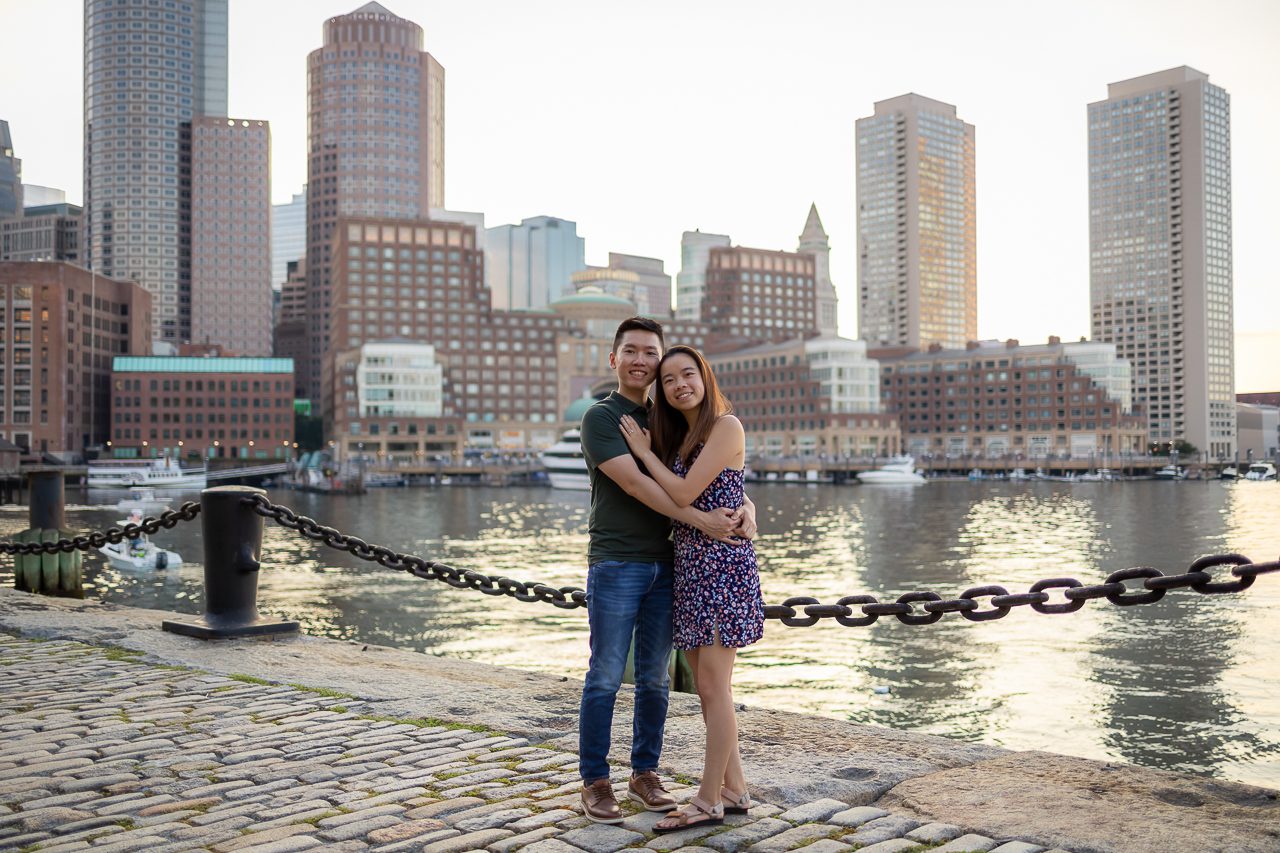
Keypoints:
pixel 621 527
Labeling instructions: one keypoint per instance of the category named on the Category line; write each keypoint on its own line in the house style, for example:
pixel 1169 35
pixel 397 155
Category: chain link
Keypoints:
pixel 805 611
pixel 150 526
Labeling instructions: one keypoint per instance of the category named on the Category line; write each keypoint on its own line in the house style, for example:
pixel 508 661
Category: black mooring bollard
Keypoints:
pixel 232 534
pixel 46 510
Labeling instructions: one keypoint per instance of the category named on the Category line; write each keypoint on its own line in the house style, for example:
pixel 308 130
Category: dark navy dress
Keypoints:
pixel 717 585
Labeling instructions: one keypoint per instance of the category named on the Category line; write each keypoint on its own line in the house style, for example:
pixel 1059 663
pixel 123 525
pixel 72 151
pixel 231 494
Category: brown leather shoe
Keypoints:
pixel 599 804
pixel 646 788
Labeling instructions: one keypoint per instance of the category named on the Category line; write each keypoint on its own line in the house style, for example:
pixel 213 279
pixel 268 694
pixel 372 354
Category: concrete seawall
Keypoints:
pixel 793 761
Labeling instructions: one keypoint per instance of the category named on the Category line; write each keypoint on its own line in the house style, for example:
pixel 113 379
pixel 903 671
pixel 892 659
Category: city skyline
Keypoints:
pixel 638 152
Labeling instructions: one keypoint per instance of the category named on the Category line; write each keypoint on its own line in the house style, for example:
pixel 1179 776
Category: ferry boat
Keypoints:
pixel 899 469
pixel 161 472
pixel 565 464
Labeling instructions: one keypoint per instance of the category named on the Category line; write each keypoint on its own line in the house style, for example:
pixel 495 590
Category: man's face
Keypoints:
pixel 635 361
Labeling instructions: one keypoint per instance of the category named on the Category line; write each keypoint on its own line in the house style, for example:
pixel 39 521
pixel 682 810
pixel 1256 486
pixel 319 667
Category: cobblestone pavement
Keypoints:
pixel 102 751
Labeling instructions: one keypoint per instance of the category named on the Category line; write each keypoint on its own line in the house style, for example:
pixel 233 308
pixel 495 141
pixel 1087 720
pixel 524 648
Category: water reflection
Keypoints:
pixel 1186 684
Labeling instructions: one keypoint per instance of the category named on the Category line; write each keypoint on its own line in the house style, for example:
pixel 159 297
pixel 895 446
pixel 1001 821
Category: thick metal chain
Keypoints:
pixel 149 525
pixel 801 612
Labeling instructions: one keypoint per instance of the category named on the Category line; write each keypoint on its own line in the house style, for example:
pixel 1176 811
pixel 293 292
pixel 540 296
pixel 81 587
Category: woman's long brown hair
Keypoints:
pixel 668 427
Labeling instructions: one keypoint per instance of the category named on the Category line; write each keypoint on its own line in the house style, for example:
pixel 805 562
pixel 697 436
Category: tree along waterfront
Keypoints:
pixel 1185 684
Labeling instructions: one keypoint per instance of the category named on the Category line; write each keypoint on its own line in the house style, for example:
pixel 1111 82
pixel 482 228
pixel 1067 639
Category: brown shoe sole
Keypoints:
pixel 632 795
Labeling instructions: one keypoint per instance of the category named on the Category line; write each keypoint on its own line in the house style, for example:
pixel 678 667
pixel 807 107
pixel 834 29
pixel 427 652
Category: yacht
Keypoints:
pixel 161 472
pixel 1229 473
pixel 1171 472
pixel 1261 472
pixel 899 469
pixel 565 464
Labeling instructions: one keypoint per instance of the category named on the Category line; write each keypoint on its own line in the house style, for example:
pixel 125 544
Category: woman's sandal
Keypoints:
pixel 691 814
pixel 735 803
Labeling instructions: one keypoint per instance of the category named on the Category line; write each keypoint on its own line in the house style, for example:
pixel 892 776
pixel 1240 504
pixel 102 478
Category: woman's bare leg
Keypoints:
pixel 714 674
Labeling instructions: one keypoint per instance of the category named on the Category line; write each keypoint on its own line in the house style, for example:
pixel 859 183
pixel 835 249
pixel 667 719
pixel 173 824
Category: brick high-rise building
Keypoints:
pixel 231 234
pixel 149 69
pixel 1160 270
pixel 60 327
pixel 760 296
pixel 375 147
pixel 917 225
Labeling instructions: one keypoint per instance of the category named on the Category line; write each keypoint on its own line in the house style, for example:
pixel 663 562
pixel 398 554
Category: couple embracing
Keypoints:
pixel 678 459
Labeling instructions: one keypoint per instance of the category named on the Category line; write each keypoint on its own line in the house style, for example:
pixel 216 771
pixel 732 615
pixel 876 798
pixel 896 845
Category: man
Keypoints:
pixel 629 580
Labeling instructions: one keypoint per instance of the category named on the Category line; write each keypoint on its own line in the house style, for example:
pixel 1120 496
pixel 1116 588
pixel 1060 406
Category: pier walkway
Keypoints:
pixel 115 736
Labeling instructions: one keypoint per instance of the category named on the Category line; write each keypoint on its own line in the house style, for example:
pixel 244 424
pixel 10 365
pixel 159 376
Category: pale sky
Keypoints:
pixel 642 120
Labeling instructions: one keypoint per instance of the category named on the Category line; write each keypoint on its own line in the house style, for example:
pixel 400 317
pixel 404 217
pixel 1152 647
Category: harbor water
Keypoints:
pixel 1191 683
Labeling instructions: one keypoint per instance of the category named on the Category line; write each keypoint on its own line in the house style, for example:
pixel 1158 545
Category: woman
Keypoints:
pixel 696 454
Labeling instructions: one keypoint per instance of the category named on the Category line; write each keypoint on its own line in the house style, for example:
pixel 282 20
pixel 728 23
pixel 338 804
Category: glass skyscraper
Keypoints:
pixel 150 66
pixel 1160 273
pixel 917 225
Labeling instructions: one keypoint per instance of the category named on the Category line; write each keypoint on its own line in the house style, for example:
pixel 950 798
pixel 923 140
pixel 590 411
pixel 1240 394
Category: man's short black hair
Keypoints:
pixel 643 324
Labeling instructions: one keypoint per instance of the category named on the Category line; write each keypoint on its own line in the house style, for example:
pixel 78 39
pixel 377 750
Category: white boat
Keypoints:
pixel 140 553
pixel 1102 475
pixel 899 469
pixel 1229 473
pixel 1261 472
pixel 1171 472
pixel 1018 474
pixel 161 472
pixel 142 500
pixel 565 464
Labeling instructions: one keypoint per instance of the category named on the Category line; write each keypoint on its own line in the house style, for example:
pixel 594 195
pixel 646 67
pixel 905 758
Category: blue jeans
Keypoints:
pixel 625 600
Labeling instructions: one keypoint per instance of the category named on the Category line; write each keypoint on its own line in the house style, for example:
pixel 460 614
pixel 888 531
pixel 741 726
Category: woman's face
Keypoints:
pixel 682 383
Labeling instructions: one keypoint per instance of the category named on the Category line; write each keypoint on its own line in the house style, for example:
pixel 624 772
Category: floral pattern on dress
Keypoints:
pixel 717 585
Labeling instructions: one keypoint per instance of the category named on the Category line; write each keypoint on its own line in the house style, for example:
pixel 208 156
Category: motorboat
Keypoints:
pixel 1171 472
pixel 1019 474
pixel 899 469
pixel 142 500
pixel 977 474
pixel 138 553
pixel 1229 473
pixel 566 466
pixel 163 471
pixel 1102 475
pixel 1261 472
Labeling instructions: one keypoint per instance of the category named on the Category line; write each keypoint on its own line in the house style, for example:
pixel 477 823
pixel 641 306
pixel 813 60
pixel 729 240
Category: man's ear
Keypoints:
pixel 613 361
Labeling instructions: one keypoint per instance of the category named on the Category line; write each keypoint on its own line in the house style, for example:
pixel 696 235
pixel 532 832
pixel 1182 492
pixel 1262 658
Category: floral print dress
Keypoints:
pixel 717 585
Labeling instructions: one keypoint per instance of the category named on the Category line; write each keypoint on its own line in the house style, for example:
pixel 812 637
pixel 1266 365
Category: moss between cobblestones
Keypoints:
pixel 338 709
pixel 323 691
pixel 118 653
pixel 248 679
pixel 315 819
pixel 125 823
pixel 30 848
pixel 427 723
pixel 223 688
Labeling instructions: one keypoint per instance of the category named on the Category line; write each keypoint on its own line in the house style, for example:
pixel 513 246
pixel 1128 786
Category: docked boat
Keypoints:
pixel 161 472
pixel 139 553
pixel 565 464
pixel 1261 472
pixel 899 469
pixel 1019 474
pixel 1171 472
pixel 1229 473
pixel 1102 475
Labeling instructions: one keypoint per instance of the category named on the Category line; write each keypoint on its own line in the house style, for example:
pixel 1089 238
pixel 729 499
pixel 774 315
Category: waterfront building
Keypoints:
pixel 917 225
pixel 375 147
pixel 808 397
pixel 532 264
pixel 691 281
pixel 424 281
pixel 42 233
pixel 60 326
pixel 1258 428
pixel 396 389
pixel 288 236
pixel 1160 272
pixel 11 202
pixel 231 233
pixel 998 399
pixel 757 295
pixel 136 188
pixel 813 241
pixel 205 407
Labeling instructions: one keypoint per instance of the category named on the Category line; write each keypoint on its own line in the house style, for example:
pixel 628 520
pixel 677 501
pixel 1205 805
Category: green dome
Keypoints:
pixel 591 296
pixel 577 409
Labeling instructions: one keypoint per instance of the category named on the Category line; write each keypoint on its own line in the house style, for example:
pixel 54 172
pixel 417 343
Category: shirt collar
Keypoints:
pixel 628 404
